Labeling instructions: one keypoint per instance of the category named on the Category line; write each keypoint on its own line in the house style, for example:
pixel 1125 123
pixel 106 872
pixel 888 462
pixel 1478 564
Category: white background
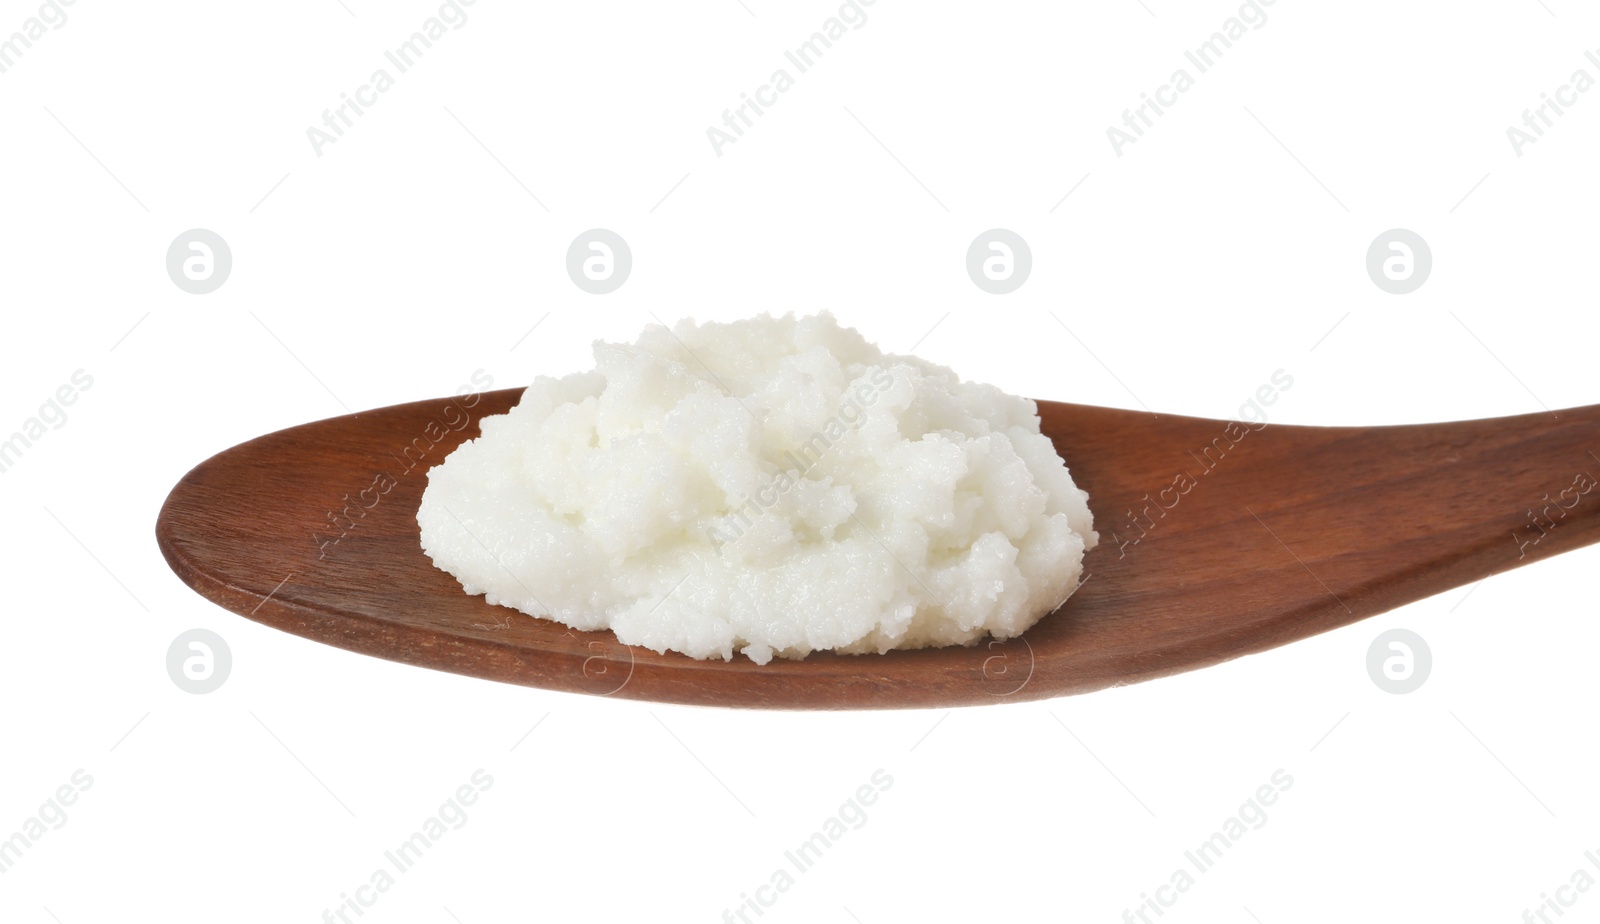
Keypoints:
pixel 1224 245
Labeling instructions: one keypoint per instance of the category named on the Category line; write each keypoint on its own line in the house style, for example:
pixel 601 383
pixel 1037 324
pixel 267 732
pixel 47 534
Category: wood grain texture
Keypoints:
pixel 1216 541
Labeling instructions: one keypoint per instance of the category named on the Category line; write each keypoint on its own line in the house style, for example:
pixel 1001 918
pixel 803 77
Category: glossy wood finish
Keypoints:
pixel 1217 541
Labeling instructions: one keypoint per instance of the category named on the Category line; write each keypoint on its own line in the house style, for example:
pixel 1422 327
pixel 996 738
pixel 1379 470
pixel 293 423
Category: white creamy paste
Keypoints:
pixel 771 486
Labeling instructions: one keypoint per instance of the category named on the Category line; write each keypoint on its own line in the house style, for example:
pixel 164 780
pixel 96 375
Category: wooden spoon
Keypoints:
pixel 1217 540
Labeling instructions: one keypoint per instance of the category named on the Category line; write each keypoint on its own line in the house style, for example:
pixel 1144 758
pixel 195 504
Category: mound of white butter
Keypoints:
pixel 772 486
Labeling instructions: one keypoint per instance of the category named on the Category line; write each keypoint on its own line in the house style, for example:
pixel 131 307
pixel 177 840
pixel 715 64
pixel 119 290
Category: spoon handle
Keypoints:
pixel 1491 494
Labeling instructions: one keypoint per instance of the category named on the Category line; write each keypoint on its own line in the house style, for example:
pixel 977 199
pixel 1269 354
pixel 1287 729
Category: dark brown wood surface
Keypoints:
pixel 1260 538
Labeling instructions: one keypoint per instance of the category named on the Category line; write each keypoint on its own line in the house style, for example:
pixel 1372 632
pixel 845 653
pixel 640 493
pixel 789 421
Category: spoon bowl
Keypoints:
pixel 1218 539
